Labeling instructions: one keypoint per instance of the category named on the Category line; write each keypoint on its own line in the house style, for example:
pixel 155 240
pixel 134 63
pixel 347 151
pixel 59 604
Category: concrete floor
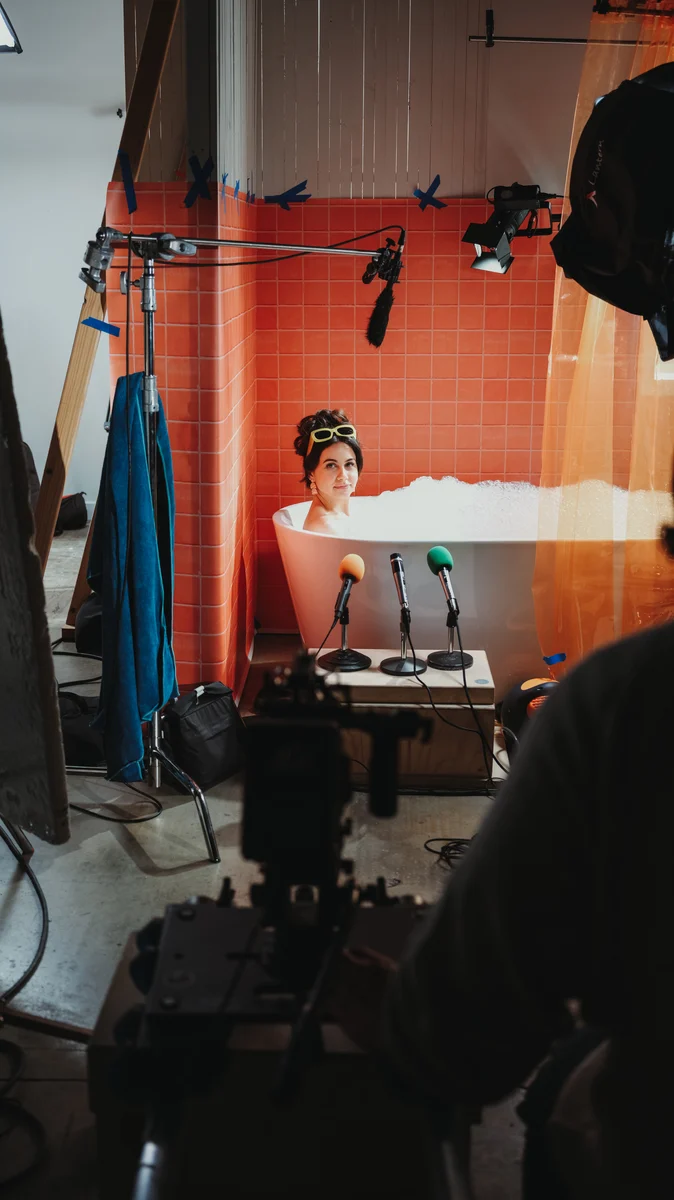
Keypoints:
pixel 108 880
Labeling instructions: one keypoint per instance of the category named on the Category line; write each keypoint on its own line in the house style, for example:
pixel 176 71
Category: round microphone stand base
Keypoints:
pixel 403 666
pixel 344 660
pixel 449 660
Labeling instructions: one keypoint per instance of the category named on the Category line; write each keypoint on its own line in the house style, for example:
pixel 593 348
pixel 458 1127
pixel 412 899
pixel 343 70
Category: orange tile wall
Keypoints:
pixel 457 388
pixel 205 364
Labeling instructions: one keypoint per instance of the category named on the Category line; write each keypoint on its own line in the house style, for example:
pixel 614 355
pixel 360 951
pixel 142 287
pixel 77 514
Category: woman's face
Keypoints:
pixel 336 473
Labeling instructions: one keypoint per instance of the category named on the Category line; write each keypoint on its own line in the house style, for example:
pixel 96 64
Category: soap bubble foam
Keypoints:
pixel 448 511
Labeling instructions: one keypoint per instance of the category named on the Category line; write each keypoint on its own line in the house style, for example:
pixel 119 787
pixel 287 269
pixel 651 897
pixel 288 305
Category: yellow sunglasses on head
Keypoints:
pixel 326 435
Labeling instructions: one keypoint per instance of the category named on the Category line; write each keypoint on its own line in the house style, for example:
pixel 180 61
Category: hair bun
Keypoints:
pixel 325 417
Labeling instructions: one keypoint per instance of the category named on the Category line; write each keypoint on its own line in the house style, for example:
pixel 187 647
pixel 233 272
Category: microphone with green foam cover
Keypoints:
pixel 441 562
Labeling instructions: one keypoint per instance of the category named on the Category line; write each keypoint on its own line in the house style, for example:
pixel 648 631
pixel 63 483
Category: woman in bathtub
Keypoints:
pixel 333 460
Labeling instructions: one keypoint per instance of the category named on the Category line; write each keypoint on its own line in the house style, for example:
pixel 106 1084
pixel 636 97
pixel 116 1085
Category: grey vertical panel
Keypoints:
pixel 353 101
pixel 323 164
pixel 472 180
pixel 428 80
pixel 372 97
pixel 391 74
pixel 441 102
pixel 369 94
pixel 306 94
pixel 273 96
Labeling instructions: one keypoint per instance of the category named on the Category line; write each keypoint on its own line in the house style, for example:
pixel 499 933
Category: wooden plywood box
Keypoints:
pixel 454 755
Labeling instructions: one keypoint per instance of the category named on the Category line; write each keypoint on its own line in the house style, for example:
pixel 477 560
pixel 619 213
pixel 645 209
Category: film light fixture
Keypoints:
pixel 512 205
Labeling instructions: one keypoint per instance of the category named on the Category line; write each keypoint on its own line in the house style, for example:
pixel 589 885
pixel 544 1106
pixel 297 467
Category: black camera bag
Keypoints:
pixel 205 735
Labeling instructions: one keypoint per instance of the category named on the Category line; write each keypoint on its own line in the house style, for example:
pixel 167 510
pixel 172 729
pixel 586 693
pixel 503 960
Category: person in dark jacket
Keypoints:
pixel 554 940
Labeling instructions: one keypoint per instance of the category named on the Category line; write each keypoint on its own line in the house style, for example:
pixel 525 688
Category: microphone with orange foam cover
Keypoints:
pixel 353 565
pixel 351 570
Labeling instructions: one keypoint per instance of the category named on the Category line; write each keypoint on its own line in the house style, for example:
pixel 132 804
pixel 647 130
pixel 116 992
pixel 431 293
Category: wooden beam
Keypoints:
pixel 81 589
pixel 85 344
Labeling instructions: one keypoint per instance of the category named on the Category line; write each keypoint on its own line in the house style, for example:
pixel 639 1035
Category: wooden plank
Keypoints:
pixel 81 589
pixel 85 343
pixel 146 84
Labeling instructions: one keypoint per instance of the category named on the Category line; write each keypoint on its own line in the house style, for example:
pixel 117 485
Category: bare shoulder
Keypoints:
pixel 324 522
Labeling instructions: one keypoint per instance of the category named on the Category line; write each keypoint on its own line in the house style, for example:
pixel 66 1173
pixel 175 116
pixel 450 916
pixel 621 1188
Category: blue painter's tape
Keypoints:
pixel 94 322
pixel 236 190
pixel 223 191
pixel 291 195
pixel 428 197
pixel 201 177
pixel 127 180
pixel 554 658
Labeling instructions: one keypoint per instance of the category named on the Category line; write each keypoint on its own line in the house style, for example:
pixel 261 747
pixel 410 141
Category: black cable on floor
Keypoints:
pixel 450 852
pixel 157 807
pixel 12 1115
pixel 11 992
pixel 71 682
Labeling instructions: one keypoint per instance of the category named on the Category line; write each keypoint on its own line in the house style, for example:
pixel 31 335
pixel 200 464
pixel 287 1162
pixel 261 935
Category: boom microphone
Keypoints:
pixel 351 570
pixel 441 562
pixel 387 264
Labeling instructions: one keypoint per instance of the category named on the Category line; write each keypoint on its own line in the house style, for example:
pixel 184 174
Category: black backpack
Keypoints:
pixel 82 745
pixel 618 241
pixel 72 513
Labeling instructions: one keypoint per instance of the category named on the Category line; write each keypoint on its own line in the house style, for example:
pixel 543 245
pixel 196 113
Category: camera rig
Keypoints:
pixel 212 971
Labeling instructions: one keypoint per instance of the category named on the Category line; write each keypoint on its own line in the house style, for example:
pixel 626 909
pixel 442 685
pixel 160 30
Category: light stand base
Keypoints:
pixel 344 660
pixel 157 757
pixel 449 660
pixel 403 666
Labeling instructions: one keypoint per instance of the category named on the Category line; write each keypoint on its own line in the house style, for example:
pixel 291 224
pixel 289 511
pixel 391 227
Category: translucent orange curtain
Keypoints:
pixel 608 435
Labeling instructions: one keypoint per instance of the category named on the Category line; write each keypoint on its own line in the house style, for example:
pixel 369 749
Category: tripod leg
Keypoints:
pixel 197 795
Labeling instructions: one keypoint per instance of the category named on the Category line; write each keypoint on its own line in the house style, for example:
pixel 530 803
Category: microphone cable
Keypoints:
pixel 325 640
pixel 478 731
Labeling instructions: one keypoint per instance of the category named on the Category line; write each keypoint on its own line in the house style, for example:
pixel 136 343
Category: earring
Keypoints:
pixel 313 489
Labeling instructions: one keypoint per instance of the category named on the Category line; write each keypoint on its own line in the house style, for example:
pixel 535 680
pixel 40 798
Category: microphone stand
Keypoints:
pixel 344 659
pixel 403 665
pixel 450 659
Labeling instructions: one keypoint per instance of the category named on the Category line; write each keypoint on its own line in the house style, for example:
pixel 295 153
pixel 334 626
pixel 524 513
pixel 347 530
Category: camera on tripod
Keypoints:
pixel 270 962
pixel 236 1011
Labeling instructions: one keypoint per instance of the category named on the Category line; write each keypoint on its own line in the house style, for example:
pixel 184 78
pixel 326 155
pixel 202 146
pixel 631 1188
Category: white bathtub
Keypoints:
pixel 492 581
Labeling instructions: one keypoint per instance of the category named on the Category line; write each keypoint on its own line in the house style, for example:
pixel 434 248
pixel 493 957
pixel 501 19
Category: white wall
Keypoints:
pixel 533 91
pixel 59 135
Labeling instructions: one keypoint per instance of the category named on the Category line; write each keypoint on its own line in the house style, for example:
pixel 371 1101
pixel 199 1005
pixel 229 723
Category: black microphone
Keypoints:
pixel 401 585
pixel 402 665
pixel 351 570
